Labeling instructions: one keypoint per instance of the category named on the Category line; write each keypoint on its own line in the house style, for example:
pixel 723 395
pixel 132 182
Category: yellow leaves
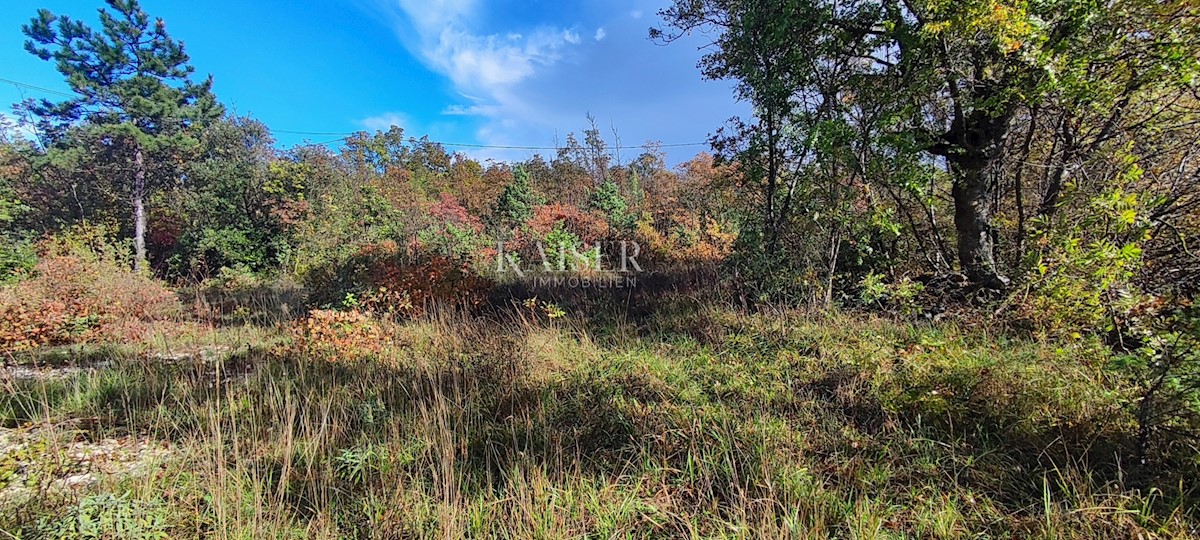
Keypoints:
pixel 935 28
pixel 1011 26
pixel 1005 23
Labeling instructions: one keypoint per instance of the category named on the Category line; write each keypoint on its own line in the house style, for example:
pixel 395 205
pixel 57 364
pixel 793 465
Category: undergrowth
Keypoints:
pixel 695 422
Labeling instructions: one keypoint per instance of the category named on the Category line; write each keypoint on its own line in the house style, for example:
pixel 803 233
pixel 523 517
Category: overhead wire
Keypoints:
pixel 344 135
pixel 19 84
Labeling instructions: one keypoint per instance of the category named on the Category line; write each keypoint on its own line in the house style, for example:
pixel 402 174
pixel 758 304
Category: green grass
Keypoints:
pixel 692 423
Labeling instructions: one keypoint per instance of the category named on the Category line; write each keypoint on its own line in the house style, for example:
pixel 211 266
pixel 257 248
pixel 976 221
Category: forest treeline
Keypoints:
pixel 1028 162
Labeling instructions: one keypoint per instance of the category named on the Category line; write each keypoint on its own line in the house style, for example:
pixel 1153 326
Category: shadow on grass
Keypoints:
pixel 479 414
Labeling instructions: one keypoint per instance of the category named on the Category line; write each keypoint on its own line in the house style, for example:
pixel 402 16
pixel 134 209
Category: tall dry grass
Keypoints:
pixel 693 422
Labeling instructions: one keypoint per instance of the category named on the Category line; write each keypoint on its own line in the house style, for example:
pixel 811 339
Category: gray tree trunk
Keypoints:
pixel 971 148
pixel 139 211
pixel 972 221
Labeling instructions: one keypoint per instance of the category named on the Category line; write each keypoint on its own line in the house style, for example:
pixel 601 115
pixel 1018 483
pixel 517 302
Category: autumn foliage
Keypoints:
pixel 337 335
pixel 79 298
pixel 410 289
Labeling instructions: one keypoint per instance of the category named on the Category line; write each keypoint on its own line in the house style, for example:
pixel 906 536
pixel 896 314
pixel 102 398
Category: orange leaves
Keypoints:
pixel 590 227
pixel 338 335
pixel 449 210
pixel 74 299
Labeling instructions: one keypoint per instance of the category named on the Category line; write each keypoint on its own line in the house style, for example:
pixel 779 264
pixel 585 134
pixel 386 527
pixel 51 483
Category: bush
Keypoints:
pixel 337 335
pixel 683 238
pixel 899 297
pixel 454 232
pixel 108 516
pixel 388 280
pixel 435 280
pixel 1165 365
pixel 81 290
pixel 17 256
pixel 1082 271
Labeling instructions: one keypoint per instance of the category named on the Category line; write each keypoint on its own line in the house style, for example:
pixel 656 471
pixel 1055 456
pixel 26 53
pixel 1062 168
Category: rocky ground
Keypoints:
pixel 47 457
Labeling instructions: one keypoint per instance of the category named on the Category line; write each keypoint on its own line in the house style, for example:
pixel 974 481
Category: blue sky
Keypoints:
pixel 509 73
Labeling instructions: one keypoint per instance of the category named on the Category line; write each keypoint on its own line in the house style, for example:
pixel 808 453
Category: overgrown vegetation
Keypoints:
pixel 696 422
pixel 941 285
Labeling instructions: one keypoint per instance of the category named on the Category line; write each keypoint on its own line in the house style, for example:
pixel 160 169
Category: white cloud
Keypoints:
pixel 386 120
pixel 529 84
pixel 442 35
pixel 433 14
pixel 485 68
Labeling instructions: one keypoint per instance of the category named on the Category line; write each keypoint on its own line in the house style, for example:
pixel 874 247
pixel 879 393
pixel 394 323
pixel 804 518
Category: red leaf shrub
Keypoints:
pixel 337 335
pixel 590 227
pixel 404 281
pixel 79 298
pixel 409 289
pixel 449 210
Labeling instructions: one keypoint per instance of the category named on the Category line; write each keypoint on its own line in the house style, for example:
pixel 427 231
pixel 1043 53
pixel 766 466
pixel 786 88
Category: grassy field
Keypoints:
pixel 688 421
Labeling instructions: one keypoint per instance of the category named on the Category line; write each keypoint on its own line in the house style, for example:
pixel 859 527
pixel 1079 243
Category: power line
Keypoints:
pixel 38 88
pixel 290 132
pixel 347 134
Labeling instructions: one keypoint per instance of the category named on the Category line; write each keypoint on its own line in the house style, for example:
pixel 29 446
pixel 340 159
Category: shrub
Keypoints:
pixel 454 232
pixel 81 290
pixel 1165 365
pixel 108 516
pixel 434 280
pixel 16 252
pixel 900 296
pixel 682 237
pixel 568 238
pixel 17 258
pixel 1081 280
pixel 564 251
pixel 337 335
pixel 589 227
pixel 393 281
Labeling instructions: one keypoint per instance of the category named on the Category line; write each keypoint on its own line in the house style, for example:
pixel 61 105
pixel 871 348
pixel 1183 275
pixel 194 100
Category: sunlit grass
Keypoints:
pixel 697 423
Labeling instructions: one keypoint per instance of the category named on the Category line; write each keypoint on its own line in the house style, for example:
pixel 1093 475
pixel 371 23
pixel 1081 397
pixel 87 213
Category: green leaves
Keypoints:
pixel 516 202
pixel 607 199
pixel 136 107
pixel 130 74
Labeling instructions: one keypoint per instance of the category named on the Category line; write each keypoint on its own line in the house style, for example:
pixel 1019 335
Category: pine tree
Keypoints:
pixel 516 202
pixel 135 96
pixel 607 199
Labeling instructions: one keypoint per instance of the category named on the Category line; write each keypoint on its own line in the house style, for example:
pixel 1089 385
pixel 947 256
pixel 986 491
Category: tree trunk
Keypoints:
pixel 834 245
pixel 1019 185
pixel 1068 132
pixel 770 224
pixel 971 149
pixel 972 222
pixel 139 211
